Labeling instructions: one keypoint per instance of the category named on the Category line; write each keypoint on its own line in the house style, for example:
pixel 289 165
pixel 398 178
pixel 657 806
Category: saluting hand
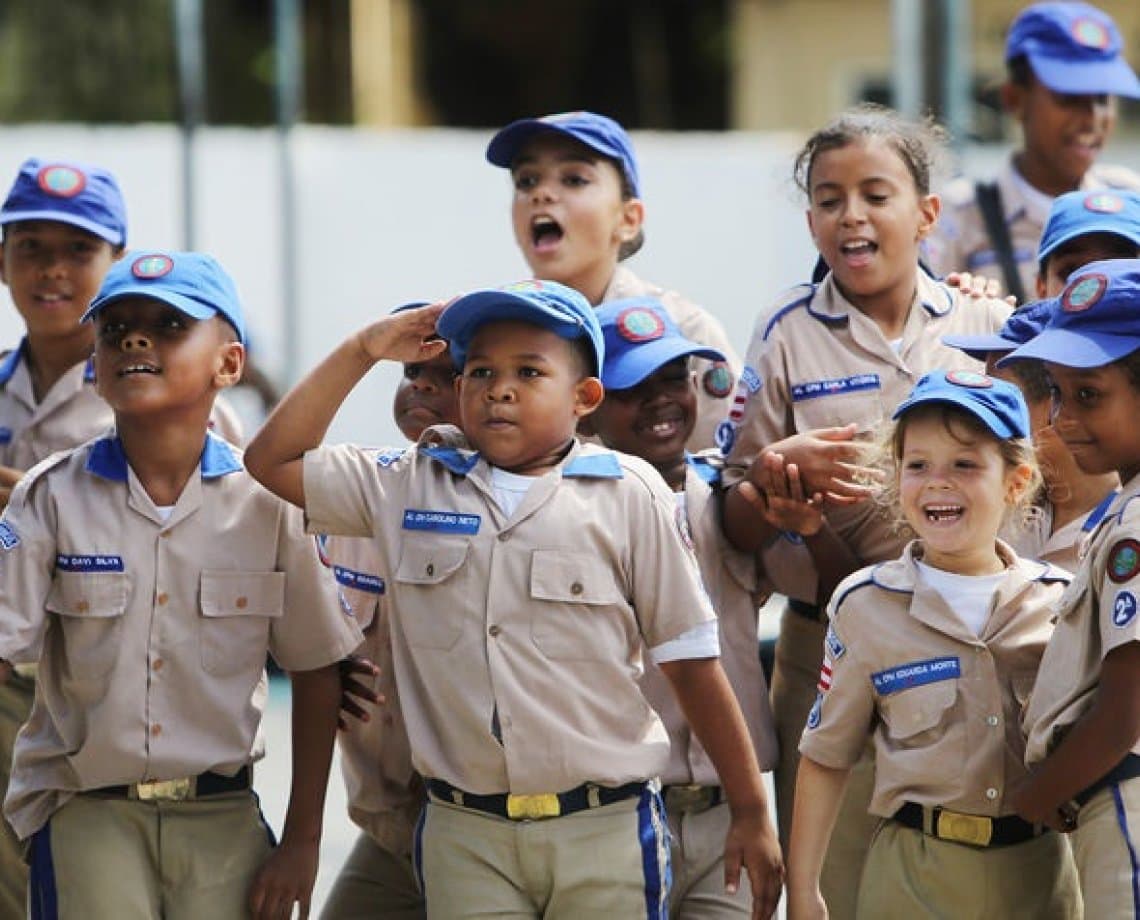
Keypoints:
pixel 407 336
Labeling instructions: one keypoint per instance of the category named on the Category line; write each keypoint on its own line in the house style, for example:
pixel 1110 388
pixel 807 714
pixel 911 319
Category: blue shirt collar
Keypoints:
pixel 108 459
pixel 12 361
pixel 593 466
pixel 460 462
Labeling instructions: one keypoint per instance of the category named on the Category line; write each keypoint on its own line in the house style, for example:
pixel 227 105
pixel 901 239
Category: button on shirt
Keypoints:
pixel 151 634
pixel 943 705
pixel 1097 614
pixel 816 361
pixel 512 680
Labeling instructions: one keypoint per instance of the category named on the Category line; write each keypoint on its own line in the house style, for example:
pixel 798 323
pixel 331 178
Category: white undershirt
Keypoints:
pixel 703 641
pixel 969 596
pixel 164 511
pixel 1037 202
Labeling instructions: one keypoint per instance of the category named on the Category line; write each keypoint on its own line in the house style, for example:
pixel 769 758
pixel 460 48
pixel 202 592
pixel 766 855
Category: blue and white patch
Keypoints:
pixel 441 521
pixel 813 389
pixel 915 674
pixel 837 648
pixel 362 581
pixel 387 457
pixel 1123 609
pixel 5 435
pixel 725 437
pixel 9 539
pixel 792 537
pixel 751 379
pixel 73 563
pixel 816 711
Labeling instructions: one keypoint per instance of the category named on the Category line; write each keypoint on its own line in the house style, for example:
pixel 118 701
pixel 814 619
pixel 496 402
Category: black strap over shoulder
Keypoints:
pixel 989 202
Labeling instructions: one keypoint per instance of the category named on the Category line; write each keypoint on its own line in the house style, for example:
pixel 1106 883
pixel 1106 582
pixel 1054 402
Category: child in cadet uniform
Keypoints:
pixel 149 576
pixel 63 224
pixel 827 363
pixel 385 794
pixel 1065 63
pixel 526 574
pixel 1083 227
pixel 649 411
pixel 1083 720
pixel 577 215
pixel 933 655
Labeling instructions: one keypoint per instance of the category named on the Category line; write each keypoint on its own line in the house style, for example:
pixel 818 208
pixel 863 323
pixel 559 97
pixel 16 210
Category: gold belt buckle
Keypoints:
pixel 532 807
pixel 165 790
pixel 688 799
pixel 975 830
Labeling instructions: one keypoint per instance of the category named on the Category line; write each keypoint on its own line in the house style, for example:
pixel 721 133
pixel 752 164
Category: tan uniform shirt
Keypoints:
pixel 943 705
pixel 734 585
pixel 1063 547
pixel 816 361
pixel 151 634
pixel 716 381
pixel 960 241
pixel 1097 614
pixel 385 794
pixel 517 641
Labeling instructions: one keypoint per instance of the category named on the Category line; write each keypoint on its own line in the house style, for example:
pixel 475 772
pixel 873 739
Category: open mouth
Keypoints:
pixel 941 514
pixel 131 369
pixel 545 233
pixel 858 252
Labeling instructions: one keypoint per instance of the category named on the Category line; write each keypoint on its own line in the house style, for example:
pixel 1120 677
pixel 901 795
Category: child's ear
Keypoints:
pixel 810 223
pixel 1017 481
pixel 588 395
pixel 1013 99
pixel 230 362
pixel 929 207
pixel 632 217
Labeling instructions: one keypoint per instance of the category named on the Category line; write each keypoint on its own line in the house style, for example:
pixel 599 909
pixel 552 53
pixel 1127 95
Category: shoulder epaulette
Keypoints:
pixel 798 296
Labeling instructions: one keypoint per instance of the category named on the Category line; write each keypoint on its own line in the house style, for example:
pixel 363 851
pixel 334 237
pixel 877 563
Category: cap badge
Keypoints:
pixel 61 181
pixel 971 379
pixel 154 266
pixel 1104 203
pixel 1124 561
pixel 717 380
pixel 1083 293
pixel 522 287
pixel 637 324
pixel 1091 34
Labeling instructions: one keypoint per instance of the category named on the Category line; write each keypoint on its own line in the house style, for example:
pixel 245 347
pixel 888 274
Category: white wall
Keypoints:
pixel 389 217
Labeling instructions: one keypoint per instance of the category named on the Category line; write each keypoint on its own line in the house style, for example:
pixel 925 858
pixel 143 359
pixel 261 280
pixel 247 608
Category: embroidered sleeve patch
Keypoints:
pixel 915 674
pixel 836 648
pixel 816 711
pixel 9 539
pixel 1123 609
pixel 1124 561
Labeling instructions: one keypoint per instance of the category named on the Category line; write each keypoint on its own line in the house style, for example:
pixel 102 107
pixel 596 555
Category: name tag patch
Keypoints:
pixel 916 674
pixel 441 521
pixel 362 581
pixel 67 563
pixel 813 389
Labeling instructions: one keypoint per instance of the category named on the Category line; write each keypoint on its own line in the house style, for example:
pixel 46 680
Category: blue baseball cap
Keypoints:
pixel 548 304
pixel 1073 48
pixel 995 403
pixel 73 193
pixel 641 337
pixel 601 134
pixel 1094 322
pixel 1022 325
pixel 1080 213
pixel 192 282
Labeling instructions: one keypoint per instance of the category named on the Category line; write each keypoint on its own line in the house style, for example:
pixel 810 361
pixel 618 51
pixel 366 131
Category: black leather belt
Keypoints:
pixel 808 611
pixel 973 830
pixel 1128 768
pixel 533 807
pixel 179 790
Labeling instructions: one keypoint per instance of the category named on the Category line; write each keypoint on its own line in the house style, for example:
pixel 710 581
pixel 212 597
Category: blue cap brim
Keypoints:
pixel 1087 228
pixel 505 145
pixel 643 360
pixel 1084 77
pixel 1073 349
pixel 978 346
pixel 988 418
pixel 187 305
pixel 91 226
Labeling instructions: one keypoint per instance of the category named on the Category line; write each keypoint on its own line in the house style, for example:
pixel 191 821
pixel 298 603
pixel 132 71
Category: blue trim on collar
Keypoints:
pixel 931 308
pixel 1098 513
pixel 12 361
pixel 89 370
pixel 878 584
pixel 453 458
pixel 784 311
pixel 593 466
pixel 703 468
pixel 107 459
pixel 867 582
pixel 826 317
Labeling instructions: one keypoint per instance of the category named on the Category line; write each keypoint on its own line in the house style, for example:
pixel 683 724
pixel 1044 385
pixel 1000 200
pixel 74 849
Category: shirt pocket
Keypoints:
pixel 237 611
pixel 435 593
pixel 926 746
pixel 863 407
pixel 90 607
pixel 575 607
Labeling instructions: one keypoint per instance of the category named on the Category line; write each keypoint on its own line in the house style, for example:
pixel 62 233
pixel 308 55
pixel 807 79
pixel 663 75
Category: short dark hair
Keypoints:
pixel 1020 71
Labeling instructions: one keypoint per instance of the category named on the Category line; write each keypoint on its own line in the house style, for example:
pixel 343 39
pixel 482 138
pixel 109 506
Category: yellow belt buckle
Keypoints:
pixel 165 790
pixel 532 807
pixel 975 830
